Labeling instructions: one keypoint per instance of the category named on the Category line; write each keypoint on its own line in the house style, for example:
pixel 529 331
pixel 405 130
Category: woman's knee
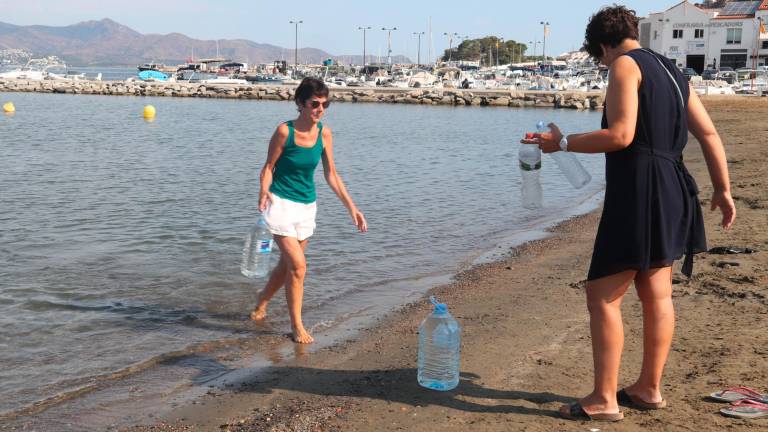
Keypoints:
pixel 609 289
pixel 654 285
pixel 296 267
pixel 597 302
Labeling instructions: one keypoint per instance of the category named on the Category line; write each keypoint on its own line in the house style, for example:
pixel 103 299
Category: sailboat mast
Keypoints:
pixel 429 24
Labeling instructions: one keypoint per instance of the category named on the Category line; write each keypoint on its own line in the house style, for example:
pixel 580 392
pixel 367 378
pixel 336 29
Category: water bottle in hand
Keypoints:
pixel 257 251
pixel 568 164
pixel 439 349
pixel 530 167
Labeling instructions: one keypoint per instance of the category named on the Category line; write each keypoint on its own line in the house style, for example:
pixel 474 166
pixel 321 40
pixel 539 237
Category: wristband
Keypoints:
pixel 564 144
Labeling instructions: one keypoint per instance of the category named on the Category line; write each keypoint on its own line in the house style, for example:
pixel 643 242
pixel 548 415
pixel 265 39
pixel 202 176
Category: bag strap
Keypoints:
pixel 674 81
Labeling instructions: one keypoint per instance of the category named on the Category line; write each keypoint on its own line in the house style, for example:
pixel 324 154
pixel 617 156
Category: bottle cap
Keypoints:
pixel 440 308
pixel 541 126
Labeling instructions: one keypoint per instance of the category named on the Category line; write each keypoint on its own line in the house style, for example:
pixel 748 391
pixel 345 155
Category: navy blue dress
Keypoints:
pixel 652 215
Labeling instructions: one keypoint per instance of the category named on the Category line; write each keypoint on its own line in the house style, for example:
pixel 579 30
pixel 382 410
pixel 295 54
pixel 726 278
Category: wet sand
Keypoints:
pixel 525 342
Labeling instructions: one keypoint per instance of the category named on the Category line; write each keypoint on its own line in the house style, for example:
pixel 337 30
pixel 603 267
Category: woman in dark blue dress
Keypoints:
pixel 651 216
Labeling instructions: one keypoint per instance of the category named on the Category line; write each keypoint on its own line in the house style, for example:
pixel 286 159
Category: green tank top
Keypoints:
pixel 294 175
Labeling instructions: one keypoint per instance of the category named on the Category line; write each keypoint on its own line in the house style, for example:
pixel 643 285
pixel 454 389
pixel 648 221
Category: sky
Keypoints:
pixel 333 25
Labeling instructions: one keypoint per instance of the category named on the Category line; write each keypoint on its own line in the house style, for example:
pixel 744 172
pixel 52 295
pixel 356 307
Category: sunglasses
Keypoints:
pixel 316 104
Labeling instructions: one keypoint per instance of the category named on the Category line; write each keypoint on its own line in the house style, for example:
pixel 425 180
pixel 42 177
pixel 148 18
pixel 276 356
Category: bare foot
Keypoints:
pixel 259 313
pixel 299 335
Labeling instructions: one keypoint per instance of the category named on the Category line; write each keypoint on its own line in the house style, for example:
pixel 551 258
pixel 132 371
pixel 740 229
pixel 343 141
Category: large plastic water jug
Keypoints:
pixel 257 251
pixel 571 168
pixel 531 193
pixel 439 349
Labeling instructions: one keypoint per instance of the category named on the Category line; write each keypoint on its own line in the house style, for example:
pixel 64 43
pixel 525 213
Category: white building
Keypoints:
pixel 699 37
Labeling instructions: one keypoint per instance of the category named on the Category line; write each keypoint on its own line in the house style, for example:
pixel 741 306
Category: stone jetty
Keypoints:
pixel 426 96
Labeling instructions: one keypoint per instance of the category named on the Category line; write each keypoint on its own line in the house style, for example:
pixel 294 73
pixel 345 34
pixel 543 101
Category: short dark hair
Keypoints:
pixel 610 26
pixel 310 87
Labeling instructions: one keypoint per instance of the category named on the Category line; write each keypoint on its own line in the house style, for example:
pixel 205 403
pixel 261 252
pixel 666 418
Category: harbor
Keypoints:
pixel 589 100
pixel 146 156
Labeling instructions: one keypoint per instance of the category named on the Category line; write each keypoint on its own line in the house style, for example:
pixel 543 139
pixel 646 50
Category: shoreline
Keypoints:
pixel 525 344
pixel 578 100
pixel 525 340
pixel 333 336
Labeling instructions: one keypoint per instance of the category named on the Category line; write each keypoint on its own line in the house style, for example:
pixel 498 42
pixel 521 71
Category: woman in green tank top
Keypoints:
pixel 287 197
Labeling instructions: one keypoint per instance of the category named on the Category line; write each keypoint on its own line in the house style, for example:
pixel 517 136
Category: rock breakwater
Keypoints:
pixel 428 96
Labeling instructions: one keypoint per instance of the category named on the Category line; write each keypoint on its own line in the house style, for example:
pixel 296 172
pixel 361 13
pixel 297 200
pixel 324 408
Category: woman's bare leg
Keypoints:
pixel 604 297
pixel 296 268
pixel 654 287
pixel 276 281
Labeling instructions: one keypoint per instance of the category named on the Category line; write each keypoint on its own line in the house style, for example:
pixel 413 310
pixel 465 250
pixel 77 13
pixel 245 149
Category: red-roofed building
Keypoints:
pixel 707 37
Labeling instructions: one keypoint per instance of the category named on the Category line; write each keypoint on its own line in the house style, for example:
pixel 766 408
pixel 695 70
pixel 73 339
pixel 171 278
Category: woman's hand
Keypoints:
pixel 359 220
pixel 548 142
pixel 264 199
pixel 724 202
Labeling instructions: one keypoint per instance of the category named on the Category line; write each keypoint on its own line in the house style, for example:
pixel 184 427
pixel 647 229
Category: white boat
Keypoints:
pixel 24 73
pixel 70 76
pixel 421 79
pixel 337 82
pixel 751 81
pixel 224 80
pixel 707 87
pixel 35 69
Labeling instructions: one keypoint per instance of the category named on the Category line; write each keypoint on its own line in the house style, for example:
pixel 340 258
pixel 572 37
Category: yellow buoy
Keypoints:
pixel 9 108
pixel 149 112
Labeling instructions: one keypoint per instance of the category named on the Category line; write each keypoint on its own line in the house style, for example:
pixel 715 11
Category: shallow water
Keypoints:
pixel 120 239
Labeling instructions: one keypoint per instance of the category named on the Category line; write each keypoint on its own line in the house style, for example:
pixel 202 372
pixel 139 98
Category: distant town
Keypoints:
pixel 721 46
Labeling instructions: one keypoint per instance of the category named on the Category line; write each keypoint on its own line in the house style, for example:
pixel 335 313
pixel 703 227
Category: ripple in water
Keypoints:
pixel 121 239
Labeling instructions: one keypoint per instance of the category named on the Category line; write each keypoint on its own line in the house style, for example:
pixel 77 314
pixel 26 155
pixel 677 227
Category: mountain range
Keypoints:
pixel 109 43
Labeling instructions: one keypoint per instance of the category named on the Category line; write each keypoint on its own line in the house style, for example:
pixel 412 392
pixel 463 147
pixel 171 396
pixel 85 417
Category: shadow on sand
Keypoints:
pixel 397 386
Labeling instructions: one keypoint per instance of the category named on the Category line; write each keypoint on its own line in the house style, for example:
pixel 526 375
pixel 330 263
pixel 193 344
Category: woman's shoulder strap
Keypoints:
pixel 289 138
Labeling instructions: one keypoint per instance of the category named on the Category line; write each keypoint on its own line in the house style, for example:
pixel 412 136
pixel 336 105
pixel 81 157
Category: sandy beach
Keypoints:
pixel 525 341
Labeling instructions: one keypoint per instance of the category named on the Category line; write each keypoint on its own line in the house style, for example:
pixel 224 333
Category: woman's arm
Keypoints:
pixel 276 145
pixel 701 126
pixel 622 105
pixel 337 186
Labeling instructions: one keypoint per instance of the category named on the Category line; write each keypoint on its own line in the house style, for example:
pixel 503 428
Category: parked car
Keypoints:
pixel 727 76
pixel 689 72
pixel 709 74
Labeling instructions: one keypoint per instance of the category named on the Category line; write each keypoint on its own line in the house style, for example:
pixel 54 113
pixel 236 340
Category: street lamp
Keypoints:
pixel 535 46
pixel 450 43
pixel 296 45
pixel 757 52
pixel 364 29
pixel 418 50
pixel 544 47
pixel 389 43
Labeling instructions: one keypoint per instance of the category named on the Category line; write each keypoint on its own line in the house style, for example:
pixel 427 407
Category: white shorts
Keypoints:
pixel 289 218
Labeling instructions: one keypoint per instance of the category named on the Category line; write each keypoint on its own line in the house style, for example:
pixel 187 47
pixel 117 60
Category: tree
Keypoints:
pixel 486 51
